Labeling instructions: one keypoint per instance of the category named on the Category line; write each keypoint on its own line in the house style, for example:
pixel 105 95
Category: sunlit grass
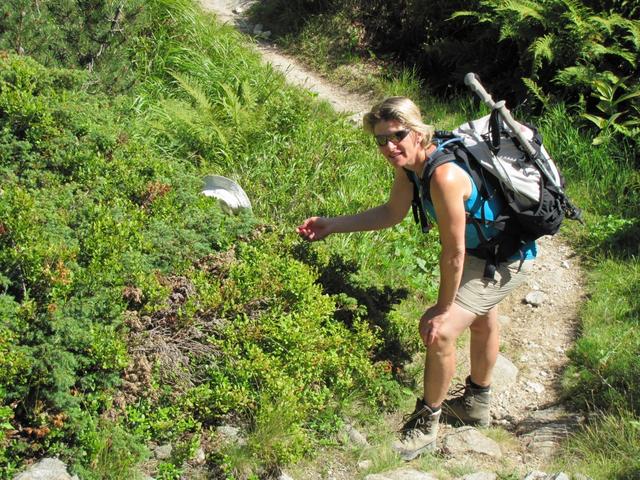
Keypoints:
pixel 606 448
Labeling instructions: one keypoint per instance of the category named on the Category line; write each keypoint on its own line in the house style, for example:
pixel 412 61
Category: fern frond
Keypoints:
pixel 607 24
pixel 524 9
pixel 465 13
pixel 185 126
pixel 231 104
pixel 536 90
pixel 576 75
pixel 248 95
pixel 633 29
pixel 575 11
pixel 194 90
pixel 508 30
pixel 597 50
pixel 541 49
pixel 577 17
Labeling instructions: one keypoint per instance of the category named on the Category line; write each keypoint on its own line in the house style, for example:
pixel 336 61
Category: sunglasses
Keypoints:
pixel 395 137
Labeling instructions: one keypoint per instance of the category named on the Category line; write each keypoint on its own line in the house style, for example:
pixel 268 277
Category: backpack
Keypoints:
pixel 531 186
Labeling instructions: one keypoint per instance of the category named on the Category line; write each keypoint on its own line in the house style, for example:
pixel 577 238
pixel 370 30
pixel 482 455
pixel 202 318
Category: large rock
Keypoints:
pixel 535 298
pixel 46 469
pixel 505 374
pixel 466 440
pixel 401 474
pixel 355 437
pixel 163 452
pixel 543 430
pixel 480 476
pixel 538 475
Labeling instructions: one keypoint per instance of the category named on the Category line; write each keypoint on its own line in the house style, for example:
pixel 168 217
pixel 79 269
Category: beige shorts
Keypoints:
pixel 478 294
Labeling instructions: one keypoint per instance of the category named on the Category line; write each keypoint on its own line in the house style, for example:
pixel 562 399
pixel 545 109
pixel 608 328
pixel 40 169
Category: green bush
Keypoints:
pixel 106 244
pixel 98 35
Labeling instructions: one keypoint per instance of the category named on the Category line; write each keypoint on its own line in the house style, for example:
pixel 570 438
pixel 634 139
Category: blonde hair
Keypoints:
pixel 403 110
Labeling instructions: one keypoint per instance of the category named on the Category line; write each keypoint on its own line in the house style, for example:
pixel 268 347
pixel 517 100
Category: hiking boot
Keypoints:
pixel 419 432
pixel 470 408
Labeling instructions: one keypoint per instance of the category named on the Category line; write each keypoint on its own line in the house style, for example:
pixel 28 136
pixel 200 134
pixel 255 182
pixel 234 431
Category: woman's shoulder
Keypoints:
pixel 449 176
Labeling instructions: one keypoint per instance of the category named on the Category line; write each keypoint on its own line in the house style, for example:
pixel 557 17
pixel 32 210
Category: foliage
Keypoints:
pixel 107 249
pixel 564 43
pixel 134 310
pixel 605 357
pixel 97 35
pixel 605 447
pixel 581 52
pixel 79 211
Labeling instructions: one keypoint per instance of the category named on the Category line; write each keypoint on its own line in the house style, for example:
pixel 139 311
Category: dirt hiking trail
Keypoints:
pixel 538 326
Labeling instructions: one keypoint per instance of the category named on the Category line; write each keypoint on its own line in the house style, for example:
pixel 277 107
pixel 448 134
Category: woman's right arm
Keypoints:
pixel 382 216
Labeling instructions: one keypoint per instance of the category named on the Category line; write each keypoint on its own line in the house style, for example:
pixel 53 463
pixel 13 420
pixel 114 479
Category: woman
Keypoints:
pixel 465 298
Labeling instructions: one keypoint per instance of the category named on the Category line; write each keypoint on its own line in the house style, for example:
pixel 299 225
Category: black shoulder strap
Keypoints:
pixel 421 187
pixel 419 215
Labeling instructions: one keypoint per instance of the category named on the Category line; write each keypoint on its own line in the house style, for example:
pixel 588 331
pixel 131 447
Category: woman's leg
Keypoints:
pixel 440 362
pixel 485 339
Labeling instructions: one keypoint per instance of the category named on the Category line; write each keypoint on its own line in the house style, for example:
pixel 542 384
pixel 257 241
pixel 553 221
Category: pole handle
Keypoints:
pixel 471 81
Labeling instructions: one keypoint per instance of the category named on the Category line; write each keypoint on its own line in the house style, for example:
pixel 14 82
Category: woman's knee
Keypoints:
pixel 485 324
pixel 445 341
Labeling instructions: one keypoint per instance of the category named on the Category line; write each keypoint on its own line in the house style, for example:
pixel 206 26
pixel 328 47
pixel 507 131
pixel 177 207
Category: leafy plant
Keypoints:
pixel 610 104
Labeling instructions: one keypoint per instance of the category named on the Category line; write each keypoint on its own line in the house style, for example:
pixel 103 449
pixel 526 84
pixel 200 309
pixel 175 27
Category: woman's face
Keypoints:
pixel 399 144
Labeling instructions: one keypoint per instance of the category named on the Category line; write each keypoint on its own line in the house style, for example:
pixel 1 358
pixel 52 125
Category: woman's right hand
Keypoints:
pixel 314 228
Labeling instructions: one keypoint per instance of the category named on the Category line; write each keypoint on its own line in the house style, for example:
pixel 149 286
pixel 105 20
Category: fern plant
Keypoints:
pixel 567 49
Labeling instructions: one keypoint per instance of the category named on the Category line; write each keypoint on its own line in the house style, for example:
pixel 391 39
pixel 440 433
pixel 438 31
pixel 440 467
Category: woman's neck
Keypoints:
pixel 422 159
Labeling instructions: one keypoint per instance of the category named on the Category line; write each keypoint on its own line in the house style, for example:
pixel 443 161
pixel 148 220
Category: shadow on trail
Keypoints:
pixel 357 300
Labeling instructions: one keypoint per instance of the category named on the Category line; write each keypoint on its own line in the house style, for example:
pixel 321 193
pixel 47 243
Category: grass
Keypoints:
pixel 606 448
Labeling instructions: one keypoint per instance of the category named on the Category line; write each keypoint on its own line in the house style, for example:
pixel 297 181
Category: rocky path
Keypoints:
pixel 538 327
pixel 340 100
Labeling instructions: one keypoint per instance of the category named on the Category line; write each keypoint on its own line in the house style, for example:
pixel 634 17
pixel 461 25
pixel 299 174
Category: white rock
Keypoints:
pixel 505 374
pixel 467 440
pixel 535 475
pixel 163 452
pixel 46 469
pixel 480 476
pixel 200 457
pixel 535 387
pixel 355 436
pixel 535 298
pixel 401 474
